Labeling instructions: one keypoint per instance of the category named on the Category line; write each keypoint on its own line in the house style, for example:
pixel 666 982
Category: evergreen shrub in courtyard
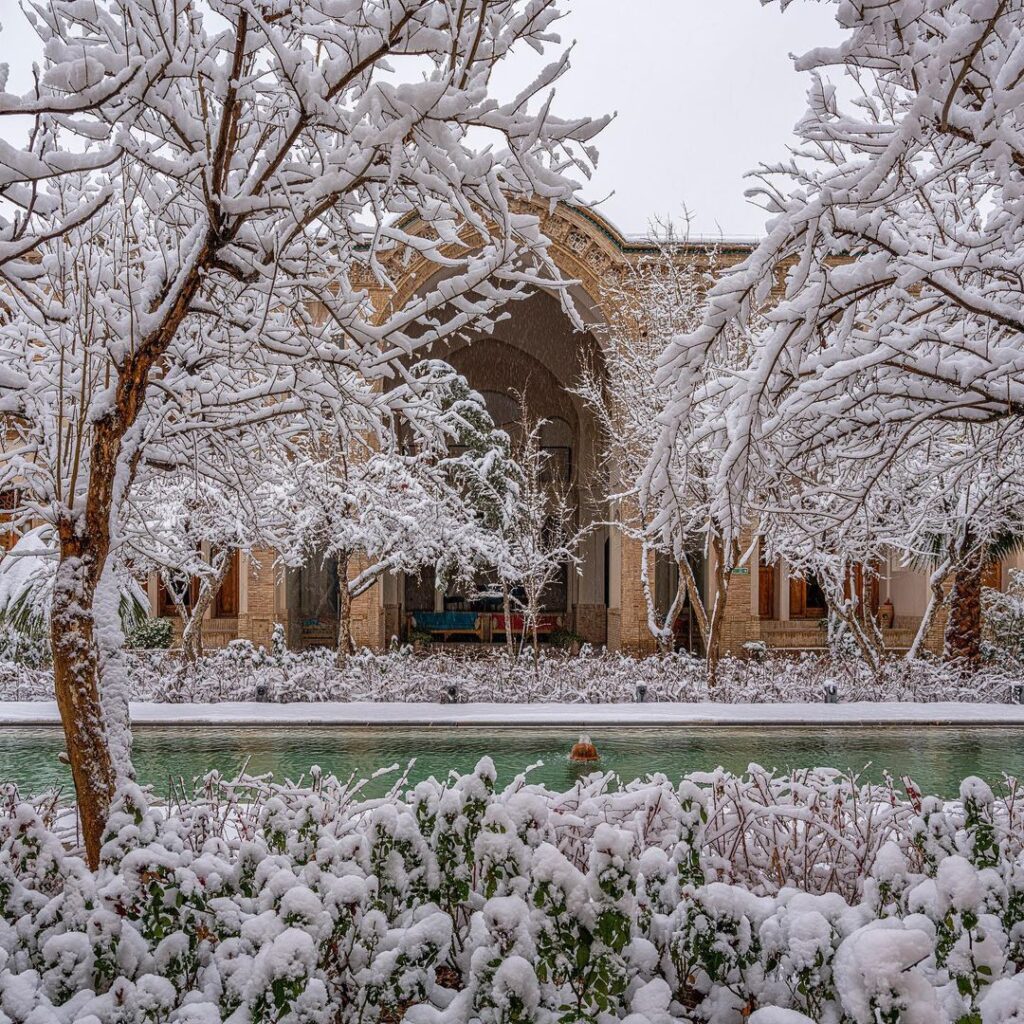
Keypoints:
pixel 721 899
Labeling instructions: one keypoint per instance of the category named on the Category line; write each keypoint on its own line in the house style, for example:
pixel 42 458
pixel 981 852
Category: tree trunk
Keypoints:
pixel 77 685
pixel 963 629
pixel 346 645
pixel 935 598
pixel 84 547
pixel 871 653
pixel 192 633
pixel 660 628
pixel 714 643
pixel 506 609
pixel 696 598
pixel 714 649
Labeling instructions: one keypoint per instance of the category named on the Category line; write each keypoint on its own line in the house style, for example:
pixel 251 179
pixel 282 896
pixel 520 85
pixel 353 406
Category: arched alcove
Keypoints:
pixel 538 351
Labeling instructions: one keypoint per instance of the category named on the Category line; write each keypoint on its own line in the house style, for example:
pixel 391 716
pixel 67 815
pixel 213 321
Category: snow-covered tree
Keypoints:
pixel 375 496
pixel 191 529
pixel 948 505
pixel 892 266
pixel 537 535
pixel 269 158
pixel 964 515
pixel 658 298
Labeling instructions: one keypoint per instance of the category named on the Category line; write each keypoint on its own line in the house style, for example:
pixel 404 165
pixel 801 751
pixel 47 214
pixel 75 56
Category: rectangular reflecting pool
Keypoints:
pixel 935 757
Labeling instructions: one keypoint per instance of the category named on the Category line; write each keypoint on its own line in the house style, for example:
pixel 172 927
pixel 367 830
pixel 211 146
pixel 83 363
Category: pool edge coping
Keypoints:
pixel 501 717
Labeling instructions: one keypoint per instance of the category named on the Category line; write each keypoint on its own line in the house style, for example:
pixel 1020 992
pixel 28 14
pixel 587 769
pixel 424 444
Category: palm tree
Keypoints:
pixel 27 574
pixel 966 558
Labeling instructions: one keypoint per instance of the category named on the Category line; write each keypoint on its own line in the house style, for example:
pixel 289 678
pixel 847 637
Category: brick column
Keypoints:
pixel 259 588
pixel 633 635
pixel 740 623
pixel 368 611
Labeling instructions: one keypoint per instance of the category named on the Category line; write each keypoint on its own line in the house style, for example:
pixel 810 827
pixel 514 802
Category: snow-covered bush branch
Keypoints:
pixel 243 672
pixel 650 901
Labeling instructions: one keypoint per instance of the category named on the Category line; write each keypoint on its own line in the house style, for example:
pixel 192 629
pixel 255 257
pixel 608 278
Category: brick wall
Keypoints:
pixel 739 624
pixel 257 622
pixel 591 622
pixel 634 636
pixel 367 612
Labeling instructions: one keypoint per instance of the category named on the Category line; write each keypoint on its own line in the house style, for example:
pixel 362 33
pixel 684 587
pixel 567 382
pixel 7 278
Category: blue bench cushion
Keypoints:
pixel 443 622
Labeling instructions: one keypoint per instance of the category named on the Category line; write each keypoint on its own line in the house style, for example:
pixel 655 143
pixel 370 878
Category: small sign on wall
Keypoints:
pixel 741 570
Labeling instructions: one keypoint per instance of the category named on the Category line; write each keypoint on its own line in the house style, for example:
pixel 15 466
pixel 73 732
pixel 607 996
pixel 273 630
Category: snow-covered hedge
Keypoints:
pixel 711 900
pixel 244 672
pixel 1003 642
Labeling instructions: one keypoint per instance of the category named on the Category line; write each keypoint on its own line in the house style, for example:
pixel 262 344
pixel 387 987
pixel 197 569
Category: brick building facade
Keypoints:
pixel 536 350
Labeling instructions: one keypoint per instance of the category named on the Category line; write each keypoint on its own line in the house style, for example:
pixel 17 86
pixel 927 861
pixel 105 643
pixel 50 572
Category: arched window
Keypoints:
pixel 504 409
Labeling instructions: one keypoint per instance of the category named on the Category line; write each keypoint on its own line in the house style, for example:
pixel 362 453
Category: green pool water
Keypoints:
pixel 937 758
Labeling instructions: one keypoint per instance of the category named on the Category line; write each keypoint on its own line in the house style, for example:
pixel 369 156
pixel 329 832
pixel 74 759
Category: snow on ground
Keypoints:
pixel 513 716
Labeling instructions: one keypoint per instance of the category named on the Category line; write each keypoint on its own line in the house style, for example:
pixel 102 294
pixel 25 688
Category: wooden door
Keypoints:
pixel 806 599
pixel 766 591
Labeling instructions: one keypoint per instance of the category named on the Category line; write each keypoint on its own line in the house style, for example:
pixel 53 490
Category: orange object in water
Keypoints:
pixel 584 750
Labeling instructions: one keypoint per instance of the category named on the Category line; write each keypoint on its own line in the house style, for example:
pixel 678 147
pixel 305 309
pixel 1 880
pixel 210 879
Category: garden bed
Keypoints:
pixel 244 673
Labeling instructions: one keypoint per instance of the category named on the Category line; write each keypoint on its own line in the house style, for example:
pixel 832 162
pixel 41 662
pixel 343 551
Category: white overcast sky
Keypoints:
pixel 704 91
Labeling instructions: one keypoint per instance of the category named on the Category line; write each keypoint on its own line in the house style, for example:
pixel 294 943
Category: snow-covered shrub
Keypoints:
pixel 18 648
pixel 150 634
pixel 456 903
pixel 1003 640
pixel 243 671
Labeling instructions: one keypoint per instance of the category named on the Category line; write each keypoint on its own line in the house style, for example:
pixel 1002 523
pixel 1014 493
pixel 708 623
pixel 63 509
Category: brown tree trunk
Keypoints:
pixel 714 649
pixel 696 598
pixel 661 628
pixel 346 646
pixel 84 546
pixel 506 610
pixel 77 685
pixel 192 633
pixel 963 628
